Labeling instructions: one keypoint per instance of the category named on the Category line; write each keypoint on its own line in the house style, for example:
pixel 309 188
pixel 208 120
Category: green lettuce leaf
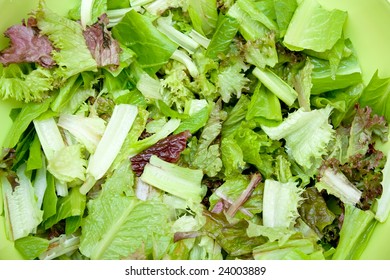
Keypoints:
pixel 377 95
pixel 137 32
pixel 224 34
pixel 69 206
pixel 343 101
pixel 68 165
pixel 31 247
pixel 264 107
pixel 22 83
pixel 203 15
pixel 67 36
pixel 356 224
pixel 314 210
pixel 235 116
pixel 280 203
pixel 305 148
pixel 232 157
pixel 282 234
pixel 257 149
pixel 347 74
pixel 207 154
pixel 313 27
pixel 119 225
pixel 22 211
pixel 284 11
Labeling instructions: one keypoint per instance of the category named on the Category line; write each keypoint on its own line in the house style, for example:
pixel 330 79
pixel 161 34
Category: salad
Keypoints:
pixel 191 129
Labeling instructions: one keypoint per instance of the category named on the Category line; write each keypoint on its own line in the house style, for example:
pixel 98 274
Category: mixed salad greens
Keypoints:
pixel 191 129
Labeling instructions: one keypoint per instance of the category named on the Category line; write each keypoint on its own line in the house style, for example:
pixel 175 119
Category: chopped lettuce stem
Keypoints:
pixel 86 12
pixel 337 184
pixel 109 146
pixel 171 178
pixel 199 38
pixel 234 207
pixel 276 85
pixel 49 136
pixel 183 40
pixel 182 57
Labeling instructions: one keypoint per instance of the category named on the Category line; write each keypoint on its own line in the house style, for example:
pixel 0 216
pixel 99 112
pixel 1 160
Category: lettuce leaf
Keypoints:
pixel 22 212
pixel 313 27
pixel 356 224
pixel 377 95
pixel 137 32
pixel 305 148
pixel 22 83
pixel 119 225
pixel 67 36
pixel 280 203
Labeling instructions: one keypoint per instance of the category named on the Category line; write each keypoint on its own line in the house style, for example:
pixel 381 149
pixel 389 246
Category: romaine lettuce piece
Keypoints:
pixel 264 107
pixel 284 11
pixel 276 85
pixel 165 26
pixel 31 247
pixel 377 95
pixel 337 184
pixel 137 32
pixel 62 245
pixel 72 205
pixel 203 15
pixel 224 34
pixel 313 27
pixel 356 226
pixel 121 226
pixel 87 130
pixel 347 74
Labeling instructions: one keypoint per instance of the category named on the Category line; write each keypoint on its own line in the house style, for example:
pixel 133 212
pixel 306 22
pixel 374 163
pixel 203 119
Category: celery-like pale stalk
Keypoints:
pixel 176 180
pixel 143 144
pixel 183 40
pixel 49 135
pixel 183 58
pixel 199 38
pixel 337 184
pixel 276 85
pixel 109 146
pixel 40 183
pixel 86 12
pixel 60 246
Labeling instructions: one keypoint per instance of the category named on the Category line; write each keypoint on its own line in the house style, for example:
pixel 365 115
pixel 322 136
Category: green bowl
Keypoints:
pixel 367 27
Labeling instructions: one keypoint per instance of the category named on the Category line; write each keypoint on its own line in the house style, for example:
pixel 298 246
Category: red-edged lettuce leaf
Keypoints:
pixel 27 45
pixel 104 49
